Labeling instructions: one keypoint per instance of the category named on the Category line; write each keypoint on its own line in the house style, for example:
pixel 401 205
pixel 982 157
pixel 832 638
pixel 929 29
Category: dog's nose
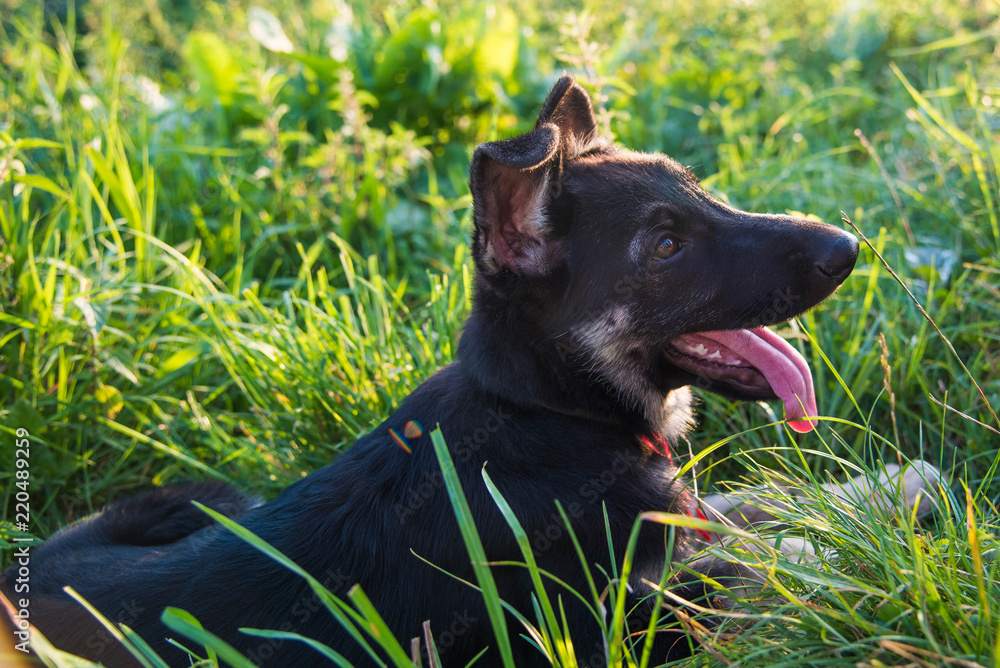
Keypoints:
pixel 839 262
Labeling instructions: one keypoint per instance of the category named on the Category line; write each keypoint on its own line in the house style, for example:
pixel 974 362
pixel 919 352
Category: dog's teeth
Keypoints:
pixel 699 349
pixel 714 356
pixel 736 361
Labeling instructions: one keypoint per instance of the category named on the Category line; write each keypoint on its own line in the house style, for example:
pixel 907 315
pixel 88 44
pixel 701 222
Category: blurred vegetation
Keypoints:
pixel 232 237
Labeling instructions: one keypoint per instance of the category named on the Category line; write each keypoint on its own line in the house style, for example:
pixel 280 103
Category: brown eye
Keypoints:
pixel 666 248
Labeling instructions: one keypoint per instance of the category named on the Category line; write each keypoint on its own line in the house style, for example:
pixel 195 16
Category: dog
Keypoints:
pixel 607 282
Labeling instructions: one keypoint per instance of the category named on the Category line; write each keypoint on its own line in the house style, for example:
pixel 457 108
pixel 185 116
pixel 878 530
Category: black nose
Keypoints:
pixel 839 262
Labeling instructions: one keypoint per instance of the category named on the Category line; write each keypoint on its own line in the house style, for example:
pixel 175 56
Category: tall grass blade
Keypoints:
pixel 467 525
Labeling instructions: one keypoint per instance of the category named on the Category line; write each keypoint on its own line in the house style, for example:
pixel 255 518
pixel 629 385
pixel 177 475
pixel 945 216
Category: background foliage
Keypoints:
pixel 232 238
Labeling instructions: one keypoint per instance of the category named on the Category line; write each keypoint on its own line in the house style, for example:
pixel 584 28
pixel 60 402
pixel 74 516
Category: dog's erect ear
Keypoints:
pixel 569 108
pixel 511 182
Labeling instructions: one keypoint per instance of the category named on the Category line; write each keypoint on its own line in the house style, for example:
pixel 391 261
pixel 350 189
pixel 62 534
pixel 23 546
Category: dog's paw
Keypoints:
pixel 919 484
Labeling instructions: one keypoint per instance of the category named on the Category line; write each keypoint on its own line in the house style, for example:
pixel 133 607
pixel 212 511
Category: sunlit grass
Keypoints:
pixel 239 286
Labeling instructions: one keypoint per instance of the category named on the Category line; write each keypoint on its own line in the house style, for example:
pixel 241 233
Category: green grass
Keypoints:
pixel 219 259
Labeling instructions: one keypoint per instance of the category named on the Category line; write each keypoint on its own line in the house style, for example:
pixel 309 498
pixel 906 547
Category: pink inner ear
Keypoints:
pixel 518 202
pixel 510 236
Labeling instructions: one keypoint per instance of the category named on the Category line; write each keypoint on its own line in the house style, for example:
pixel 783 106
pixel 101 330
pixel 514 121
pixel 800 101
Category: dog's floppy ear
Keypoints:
pixel 511 181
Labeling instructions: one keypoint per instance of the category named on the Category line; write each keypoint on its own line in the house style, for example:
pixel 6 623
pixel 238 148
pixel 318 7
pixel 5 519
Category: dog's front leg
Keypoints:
pixel 917 484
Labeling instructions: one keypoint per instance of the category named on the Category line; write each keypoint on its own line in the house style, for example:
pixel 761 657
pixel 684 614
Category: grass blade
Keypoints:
pixel 474 545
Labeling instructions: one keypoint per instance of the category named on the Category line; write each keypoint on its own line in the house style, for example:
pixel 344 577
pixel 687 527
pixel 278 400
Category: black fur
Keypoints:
pixel 560 375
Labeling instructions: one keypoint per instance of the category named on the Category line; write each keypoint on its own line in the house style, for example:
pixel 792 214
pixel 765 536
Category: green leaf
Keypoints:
pixel 95 318
pixel 23 415
pixel 50 656
pixel 9 531
pixel 325 68
pixel 404 48
pixel 212 65
pixel 337 607
pixel 36 142
pixel 122 370
pixel 41 183
pixel 496 51
pixel 118 634
pixel 378 628
pixel 181 358
pixel 185 623
pixel 290 635
pixel 111 398
pixel 555 644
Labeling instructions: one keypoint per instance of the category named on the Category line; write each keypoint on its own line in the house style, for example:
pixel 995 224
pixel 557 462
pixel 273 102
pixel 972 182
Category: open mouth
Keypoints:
pixel 756 362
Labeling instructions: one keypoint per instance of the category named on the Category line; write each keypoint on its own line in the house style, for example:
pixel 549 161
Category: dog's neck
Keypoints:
pixel 506 358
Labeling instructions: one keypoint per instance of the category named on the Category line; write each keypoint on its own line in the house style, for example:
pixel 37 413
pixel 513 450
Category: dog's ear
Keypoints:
pixel 569 108
pixel 511 181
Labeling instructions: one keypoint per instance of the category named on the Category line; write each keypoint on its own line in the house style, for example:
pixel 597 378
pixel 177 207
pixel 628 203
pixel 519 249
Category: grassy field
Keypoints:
pixel 232 239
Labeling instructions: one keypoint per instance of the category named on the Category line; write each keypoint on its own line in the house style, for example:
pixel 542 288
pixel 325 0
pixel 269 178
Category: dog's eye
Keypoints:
pixel 666 249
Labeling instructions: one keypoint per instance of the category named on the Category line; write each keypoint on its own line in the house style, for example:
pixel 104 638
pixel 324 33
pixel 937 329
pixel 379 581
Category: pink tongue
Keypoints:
pixel 785 370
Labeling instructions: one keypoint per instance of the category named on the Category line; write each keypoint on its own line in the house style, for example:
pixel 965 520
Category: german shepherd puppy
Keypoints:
pixel 607 282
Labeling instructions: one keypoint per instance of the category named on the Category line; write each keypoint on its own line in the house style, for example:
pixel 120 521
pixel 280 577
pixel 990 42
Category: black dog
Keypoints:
pixel 607 282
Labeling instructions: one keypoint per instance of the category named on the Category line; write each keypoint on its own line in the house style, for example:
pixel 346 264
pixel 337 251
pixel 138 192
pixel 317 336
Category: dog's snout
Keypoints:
pixel 839 262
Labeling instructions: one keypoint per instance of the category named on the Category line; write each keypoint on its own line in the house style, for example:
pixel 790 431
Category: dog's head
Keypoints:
pixel 628 271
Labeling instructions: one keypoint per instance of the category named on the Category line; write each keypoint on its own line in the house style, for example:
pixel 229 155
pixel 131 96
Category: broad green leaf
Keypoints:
pixel 496 50
pixel 212 65
pixel 181 358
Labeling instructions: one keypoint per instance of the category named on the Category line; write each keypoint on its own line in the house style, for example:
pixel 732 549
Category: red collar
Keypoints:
pixel 659 445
